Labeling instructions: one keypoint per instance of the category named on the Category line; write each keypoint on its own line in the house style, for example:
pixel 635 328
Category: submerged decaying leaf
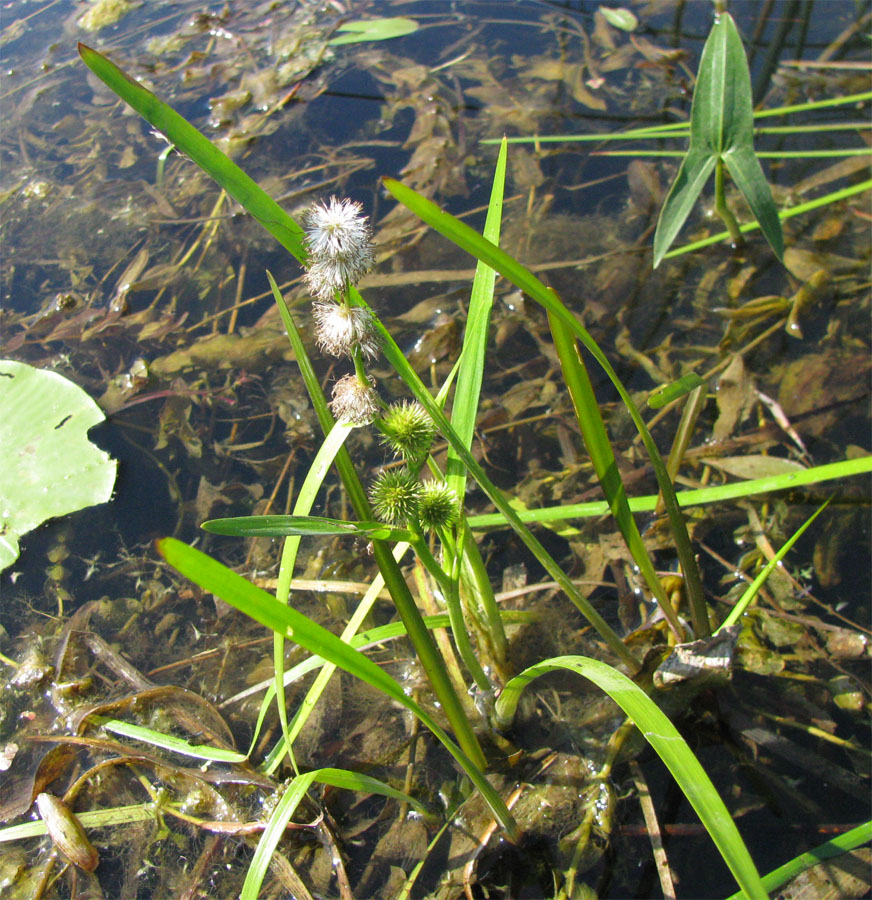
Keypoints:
pixel 66 832
pixel 707 660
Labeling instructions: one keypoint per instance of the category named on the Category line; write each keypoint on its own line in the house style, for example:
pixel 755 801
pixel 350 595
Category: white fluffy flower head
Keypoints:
pixel 354 401
pixel 338 238
pixel 340 328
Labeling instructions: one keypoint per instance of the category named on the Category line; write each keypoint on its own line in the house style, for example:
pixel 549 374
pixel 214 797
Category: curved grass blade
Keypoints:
pixel 288 804
pixel 216 578
pixel 467 238
pixel 200 149
pixel 850 840
pixel 670 746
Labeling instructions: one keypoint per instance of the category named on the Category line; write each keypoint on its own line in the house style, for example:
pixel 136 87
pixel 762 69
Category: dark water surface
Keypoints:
pixel 124 269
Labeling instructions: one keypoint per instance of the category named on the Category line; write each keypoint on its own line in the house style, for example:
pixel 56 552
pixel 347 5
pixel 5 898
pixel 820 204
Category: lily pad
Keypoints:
pixel 50 468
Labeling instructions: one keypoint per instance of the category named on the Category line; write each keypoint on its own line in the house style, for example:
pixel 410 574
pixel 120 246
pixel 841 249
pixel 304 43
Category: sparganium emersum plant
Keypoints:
pixel 335 246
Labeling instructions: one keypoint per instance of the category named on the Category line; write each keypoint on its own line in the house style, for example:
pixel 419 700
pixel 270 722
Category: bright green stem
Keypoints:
pixel 448 587
pixel 333 442
pixel 721 207
pixel 475 581
pixel 420 637
pixel 593 431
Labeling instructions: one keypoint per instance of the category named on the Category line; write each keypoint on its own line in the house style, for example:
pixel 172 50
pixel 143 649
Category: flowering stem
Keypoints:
pixel 420 637
pixel 359 369
pixel 478 590
pixel 449 588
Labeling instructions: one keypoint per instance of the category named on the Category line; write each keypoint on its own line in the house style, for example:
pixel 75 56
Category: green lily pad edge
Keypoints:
pixel 50 468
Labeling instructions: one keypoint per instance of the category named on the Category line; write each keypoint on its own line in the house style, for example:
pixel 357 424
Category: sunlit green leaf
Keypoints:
pixel 374 30
pixel 721 129
pixel 678 388
pixel 283 526
pixel 168 741
pixel 663 736
pixel 620 18
pixel 201 150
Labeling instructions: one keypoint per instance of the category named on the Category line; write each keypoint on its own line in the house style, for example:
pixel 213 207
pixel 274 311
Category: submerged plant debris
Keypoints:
pixel 129 272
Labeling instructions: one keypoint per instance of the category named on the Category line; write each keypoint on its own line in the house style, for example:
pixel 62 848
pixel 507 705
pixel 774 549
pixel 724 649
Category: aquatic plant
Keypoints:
pixel 721 136
pixel 450 556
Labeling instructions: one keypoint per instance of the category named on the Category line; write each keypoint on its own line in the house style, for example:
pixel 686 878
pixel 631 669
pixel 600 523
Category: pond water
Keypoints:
pixel 127 270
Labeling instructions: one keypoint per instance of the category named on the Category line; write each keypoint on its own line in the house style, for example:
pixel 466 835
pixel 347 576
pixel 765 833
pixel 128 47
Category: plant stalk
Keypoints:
pixel 722 209
pixel 420 637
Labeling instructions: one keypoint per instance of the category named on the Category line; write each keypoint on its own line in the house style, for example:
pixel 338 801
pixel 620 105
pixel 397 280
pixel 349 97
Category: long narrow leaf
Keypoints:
pixel 282 526
pixel 663 736
pixel 235 590
pixel 717 494
pixel 753 589
pixel 470 375
pixel 602 457
pixel 168 741
pixel 201 150
pixel 747 173
pixel 467 238
pixel 464 411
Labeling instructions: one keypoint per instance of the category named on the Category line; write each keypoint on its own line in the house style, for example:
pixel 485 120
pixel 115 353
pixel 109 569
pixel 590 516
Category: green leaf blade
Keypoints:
pixel 374 30
pixel 692 176
pixel 664 395
pixel 471 371
pixel 302 526
pixel 664 738
pixel 746 172
pixel 201 150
